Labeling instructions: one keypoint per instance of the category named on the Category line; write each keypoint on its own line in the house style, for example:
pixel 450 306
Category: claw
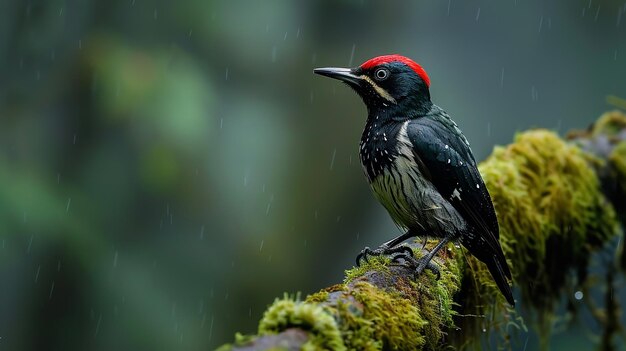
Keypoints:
pixel 423 264
pixel 363 256
pixel 403 251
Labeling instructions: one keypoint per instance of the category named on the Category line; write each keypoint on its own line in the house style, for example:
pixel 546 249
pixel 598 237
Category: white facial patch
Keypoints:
pixel 382 92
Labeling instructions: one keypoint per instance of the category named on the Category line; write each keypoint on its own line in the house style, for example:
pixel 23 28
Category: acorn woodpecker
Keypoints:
pixel 420 165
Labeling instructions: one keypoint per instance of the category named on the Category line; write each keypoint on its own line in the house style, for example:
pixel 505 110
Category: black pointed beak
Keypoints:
pixel 343 74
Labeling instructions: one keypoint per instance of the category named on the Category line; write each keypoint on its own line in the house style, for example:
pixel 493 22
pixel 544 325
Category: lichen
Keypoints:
pixel 287 313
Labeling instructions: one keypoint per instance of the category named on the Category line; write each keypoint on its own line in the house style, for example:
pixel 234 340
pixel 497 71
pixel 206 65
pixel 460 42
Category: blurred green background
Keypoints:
pixel 168 168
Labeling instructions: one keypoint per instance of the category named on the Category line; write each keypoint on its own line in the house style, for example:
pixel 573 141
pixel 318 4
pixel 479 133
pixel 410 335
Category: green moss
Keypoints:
pixel 551 212
pixel 374 263
pixel 392 321
pixel 617 163
pixel 406 315
pixel 320 324
pixel 411 315
pixel 240 340
pixel 609 124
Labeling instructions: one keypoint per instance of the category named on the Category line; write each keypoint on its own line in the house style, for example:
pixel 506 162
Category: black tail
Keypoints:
pixel 500 275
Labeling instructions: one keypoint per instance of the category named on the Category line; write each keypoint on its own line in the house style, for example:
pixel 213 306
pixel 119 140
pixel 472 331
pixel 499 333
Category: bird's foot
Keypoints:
pixel 383 250
pixel 419 264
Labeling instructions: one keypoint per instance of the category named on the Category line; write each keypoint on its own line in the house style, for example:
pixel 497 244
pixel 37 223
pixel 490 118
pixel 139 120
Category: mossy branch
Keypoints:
pixel 556 202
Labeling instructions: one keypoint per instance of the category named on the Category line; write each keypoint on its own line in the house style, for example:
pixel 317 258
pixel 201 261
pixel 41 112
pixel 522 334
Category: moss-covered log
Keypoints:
pixel 556 202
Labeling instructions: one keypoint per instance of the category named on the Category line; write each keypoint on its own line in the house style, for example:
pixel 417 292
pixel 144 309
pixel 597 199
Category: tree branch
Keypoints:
pixel 556 203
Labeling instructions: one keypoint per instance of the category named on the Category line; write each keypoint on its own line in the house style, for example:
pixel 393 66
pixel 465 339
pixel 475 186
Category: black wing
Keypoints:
pixel 448 162
pixel 446 159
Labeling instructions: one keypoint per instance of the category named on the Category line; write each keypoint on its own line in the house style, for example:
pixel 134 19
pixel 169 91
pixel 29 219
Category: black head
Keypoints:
pixel 392 84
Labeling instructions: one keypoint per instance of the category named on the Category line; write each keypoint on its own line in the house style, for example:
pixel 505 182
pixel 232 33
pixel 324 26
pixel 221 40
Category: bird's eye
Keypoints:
pixel 381 74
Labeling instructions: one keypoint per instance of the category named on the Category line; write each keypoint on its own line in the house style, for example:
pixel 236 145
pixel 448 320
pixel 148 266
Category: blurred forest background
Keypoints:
pixel 168 168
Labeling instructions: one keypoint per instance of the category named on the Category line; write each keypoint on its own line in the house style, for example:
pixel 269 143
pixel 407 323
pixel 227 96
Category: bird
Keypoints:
pixel 420 166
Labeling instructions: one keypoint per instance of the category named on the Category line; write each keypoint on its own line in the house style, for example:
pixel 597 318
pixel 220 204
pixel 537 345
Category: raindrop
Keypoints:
pixel 98 326
pixel 201 232
pixel 261 246
pixel 352 55
pixel 67 208
pixel 269 204
pixel 274 53
pixel 477 14
pixel 540 24
pixel 30 243
pixel 51 291
pixel 285 37
pixel 37 274
pixel 190 32
pixel 298 33
pixel 449 3
pixel 211 327
pixel 115 259
pixel 578 295
pixel 156 14
pixel 534 94
pixel 226 76
pixel 332 159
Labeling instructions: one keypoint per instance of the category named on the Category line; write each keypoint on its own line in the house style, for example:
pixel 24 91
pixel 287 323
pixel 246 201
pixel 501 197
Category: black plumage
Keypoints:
pixel 420 165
